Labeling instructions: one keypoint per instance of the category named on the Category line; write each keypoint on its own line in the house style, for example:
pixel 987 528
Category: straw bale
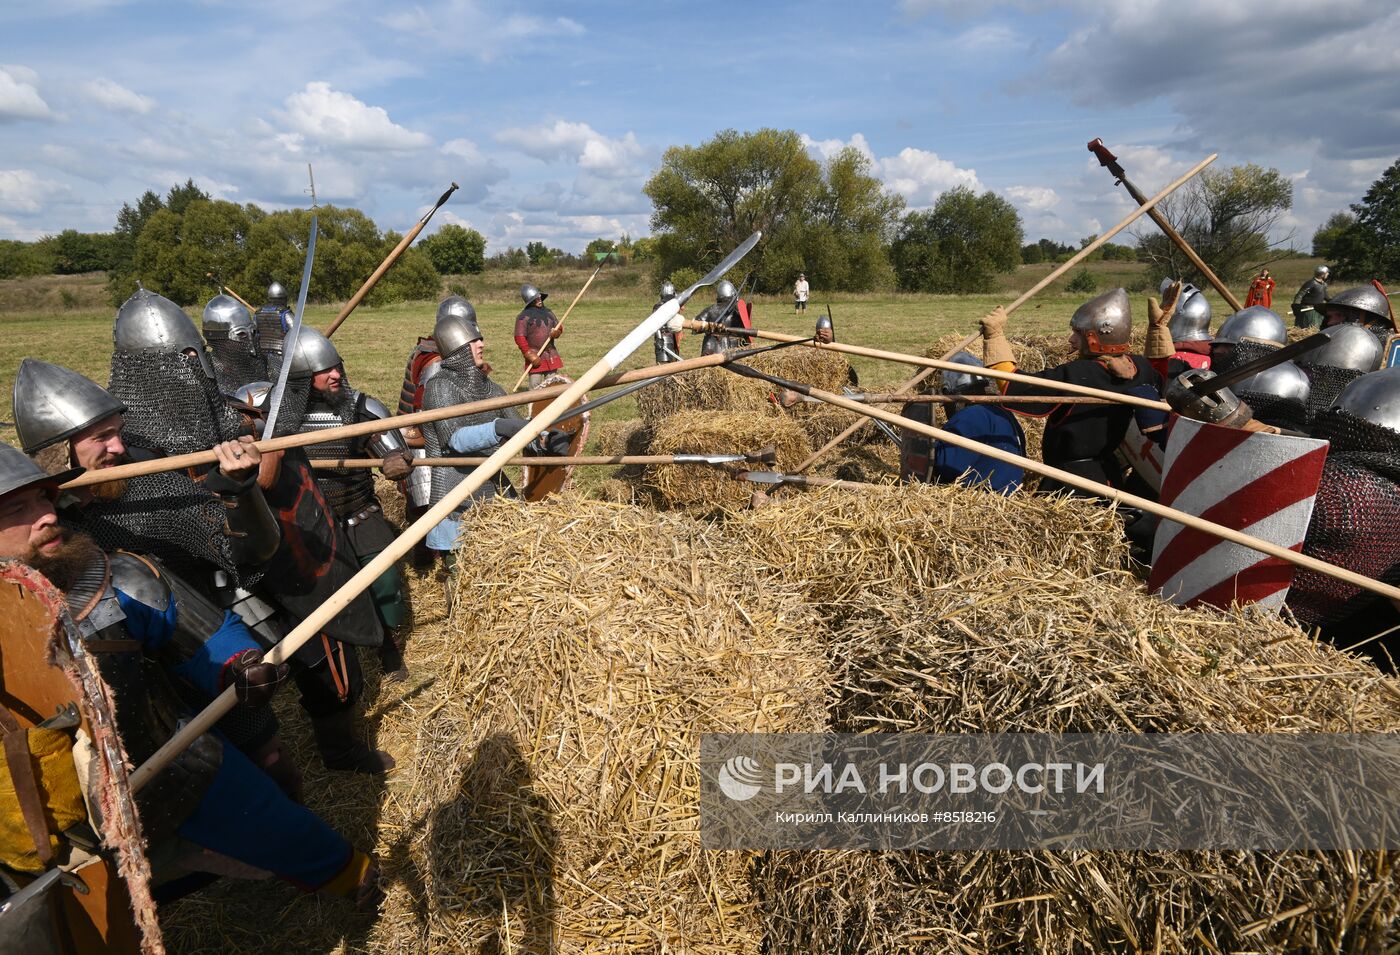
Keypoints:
pixel 708 432
pixel 1056 651
pixel 715 389
pixel 622 437
pixel 548 784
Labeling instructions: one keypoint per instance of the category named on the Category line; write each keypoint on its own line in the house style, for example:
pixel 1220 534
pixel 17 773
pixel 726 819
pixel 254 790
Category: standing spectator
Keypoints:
pixel 1313 293
pixel 536 328
pixel 1261 291
pixel 800 291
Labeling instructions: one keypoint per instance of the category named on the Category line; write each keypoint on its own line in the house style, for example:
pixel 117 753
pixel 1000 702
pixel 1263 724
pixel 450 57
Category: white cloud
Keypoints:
pixel 19 95
pixel 114 96
pixel 332 118
pixel 591 150
pixel 25 192
pixel 918 175
pixel 1035 198
pixel 475 28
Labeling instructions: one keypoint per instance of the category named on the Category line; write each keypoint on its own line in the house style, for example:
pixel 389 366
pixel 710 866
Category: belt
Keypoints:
pixel 362 516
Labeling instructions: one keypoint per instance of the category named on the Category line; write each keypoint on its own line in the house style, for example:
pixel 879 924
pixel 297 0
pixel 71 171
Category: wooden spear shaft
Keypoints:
pixel 939 364
pixel 893 398
pixel 176 462
pixel 529 462
pixel 914 382
pixel 1119 497
pixel 312 625
pixel 555 333
pixel 389 260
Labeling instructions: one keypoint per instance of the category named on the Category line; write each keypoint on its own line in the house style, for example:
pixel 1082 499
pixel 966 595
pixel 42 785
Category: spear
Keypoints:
pixel 228 291
pixel 194 459
pixel 716 460
pixel 894 398
pixel 312 624
pixel 558 328
pixel 1110 162
pixel 389 260
pixel 1084 484
pixel 1074 260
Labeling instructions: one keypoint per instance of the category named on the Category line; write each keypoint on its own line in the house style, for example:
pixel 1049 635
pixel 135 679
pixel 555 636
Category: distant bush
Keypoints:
pixel 1083 283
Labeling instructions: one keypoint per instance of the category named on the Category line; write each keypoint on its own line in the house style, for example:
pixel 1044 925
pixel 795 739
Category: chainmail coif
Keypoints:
pixel 1327 382
pixel 1355 524
pixel 171 404
pixel 236 364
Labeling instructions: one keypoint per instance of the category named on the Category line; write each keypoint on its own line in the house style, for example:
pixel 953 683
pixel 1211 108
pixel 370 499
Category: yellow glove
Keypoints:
pixel 996 350
pixel 1159 336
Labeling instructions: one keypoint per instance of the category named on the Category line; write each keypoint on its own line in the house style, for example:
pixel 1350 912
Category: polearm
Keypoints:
pixel 554 333
pixel 1143 208
pixel 228 291
pixel 895 398
pixel 387 558
pixel 1084 484
pixel 938 364
pixel 176 462
pixel 1110 162
pixel 714 460
pixel 389 260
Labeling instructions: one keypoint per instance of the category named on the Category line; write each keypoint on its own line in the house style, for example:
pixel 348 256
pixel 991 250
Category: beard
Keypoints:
pixel 64 566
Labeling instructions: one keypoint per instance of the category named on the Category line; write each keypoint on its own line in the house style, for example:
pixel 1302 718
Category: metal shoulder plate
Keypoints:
pixel 140 579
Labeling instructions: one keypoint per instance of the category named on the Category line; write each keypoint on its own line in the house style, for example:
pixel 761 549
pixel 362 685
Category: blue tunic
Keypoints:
pixel 990 425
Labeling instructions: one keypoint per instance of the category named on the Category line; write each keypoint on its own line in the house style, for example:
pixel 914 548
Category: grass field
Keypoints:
pixel 376 341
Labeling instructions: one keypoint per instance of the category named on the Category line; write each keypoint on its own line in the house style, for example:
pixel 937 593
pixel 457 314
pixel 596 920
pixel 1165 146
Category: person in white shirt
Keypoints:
pixel 800 291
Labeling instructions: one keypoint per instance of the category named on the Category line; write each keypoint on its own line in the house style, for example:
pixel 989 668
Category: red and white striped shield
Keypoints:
pixel 1261 484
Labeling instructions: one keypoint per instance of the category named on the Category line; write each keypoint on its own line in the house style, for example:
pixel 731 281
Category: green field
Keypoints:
pixel 376 341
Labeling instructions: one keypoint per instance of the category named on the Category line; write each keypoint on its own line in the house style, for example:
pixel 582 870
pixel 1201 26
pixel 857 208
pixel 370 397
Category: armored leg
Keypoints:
pixel 329 692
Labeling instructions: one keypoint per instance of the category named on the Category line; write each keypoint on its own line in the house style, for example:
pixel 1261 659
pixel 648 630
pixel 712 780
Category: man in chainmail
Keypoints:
pixel 728 311
pixel 1311 297
pixel 219 529
pixel 463 378
pixel 163 652
pixel 536 330
pixel 666 342
pixel 1352 350
pixel 422 364
pixel 331 403
pixel 233 344
pixel 273 319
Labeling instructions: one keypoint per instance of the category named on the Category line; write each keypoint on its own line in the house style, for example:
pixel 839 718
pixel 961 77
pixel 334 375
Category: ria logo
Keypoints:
pixel 741 778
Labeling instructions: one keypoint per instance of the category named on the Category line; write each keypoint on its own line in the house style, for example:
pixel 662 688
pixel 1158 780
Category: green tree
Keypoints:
pixel 1324 240
pixel 538 253
pixel 1031 254
pixel 959 245
pixel 455 250
pixel 1226 216
pixel 598 246
pixel 1370 248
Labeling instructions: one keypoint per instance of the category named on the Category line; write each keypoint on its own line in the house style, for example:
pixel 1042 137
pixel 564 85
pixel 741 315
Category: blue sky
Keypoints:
pixel 551 116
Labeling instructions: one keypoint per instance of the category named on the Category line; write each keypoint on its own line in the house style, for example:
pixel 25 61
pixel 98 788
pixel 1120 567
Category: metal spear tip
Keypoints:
pixel 761 477
pixel 716 273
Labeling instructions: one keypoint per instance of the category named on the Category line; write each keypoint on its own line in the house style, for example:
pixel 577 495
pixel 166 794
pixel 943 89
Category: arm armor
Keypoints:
pixel 249 524
pixel 384 442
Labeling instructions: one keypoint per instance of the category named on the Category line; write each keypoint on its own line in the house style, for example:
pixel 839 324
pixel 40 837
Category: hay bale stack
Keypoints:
pixel 710 432
pixel 621 437
pixel 547 793
pixel 714 389
pixel 1054 651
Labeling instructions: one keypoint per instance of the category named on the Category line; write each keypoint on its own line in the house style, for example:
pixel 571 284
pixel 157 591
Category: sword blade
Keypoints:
pixel 289 341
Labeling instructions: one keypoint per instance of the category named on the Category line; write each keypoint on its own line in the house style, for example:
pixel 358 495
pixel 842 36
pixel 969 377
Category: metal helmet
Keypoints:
pixel 1285 380
pixel 1253 324
pixel 528 293
pixel 668 291
pixel 254 393
pixel 725 292
pixel 53 403
pixel 1322 272
pixel 18 471
pixel 456 325
pixel 277 294
pixel 1349 346
pixel 1104 323
pixel 960 382
pixel 1191 320
pixel 1374 397
pixel 1367 300
pixel 824 322
pixel 314 353
pixel 226 317
pixel 148 322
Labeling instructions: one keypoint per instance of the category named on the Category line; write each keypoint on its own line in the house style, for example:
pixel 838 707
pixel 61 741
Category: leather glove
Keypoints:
pixel 396 465
pixel 556 331
pixel 506 428
pixel 254 680
pixel 550 443
pixel 996 350
pixel 1159 336
pixel 532 357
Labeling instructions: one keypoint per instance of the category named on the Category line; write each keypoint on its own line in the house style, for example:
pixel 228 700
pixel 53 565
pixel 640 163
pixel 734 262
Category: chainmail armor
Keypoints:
pixel 459 382
pixel 1327 382
pixel 1287 413
pixel 171 404
pixel 347 490
pixel 235 363
pixel 270 337
pixel 1244 352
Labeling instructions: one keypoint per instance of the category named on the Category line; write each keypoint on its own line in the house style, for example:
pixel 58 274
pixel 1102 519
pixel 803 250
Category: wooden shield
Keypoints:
pixel 38 676
pixel 542 482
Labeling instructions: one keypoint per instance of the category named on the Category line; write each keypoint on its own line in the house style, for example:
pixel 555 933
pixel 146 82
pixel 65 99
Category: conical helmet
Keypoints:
pixel 53 403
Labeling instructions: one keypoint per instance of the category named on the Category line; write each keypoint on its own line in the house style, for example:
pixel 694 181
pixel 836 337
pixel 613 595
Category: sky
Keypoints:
pixel 551 116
